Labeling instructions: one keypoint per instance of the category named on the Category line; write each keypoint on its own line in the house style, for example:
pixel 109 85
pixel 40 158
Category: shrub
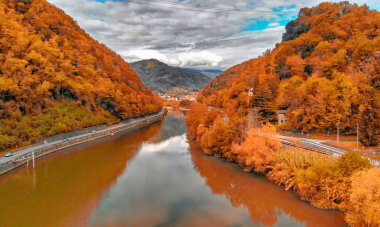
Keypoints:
pixel 328 184
pixel 257 152
pixel 218 139
pixel 365 199
pixel 289 162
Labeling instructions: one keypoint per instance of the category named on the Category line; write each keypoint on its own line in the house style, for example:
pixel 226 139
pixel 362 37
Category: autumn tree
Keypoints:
pixel 218 138
pixel 47 59
pixel 369 119
pixel 365 199
pixel 257 151
pixel 316 68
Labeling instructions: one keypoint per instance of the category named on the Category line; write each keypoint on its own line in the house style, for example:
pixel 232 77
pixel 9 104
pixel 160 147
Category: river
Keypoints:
pixel 151 177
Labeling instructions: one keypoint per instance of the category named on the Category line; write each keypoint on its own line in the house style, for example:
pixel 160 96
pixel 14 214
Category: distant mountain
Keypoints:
pixel 213 73
pixel 161 77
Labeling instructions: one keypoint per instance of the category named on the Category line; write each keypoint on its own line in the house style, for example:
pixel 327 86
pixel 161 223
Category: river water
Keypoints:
pixel 152 177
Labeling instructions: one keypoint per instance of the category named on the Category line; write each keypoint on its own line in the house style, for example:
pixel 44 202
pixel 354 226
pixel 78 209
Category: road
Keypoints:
pixel 78 136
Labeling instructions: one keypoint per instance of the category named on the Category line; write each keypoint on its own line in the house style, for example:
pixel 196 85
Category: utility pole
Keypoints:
pixel 257 120
pixel 357 137
pixel 337 133
pixel 33 159
pixel 250 112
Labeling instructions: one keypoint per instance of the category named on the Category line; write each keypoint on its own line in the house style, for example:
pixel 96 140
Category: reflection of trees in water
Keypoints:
pixel 262 199
pixel 68 185
pixel 174 125
pixel 176 114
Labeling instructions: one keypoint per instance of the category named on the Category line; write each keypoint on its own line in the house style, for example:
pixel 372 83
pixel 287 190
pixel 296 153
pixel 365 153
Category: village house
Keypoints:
pixel 281 116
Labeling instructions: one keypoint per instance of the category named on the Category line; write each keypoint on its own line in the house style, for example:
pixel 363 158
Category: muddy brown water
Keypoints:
pixel 151 177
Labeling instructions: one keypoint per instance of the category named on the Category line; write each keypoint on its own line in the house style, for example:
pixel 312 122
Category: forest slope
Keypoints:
pixel 326 70
pixel 325 73
pixel 55 78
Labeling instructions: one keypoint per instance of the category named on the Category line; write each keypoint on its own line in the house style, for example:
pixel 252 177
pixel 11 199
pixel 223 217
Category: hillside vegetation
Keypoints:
pixel 326 70
pixel 51 71
pixel 161 77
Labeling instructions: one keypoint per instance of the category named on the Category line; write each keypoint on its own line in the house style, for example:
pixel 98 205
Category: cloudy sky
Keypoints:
pixel 203 34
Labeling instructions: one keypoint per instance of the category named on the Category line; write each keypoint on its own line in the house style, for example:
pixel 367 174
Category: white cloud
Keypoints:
pixel 136 55
pixel 191 58
pixel 174 144
pixel 274 24
pixel 186 38
pixel 196 58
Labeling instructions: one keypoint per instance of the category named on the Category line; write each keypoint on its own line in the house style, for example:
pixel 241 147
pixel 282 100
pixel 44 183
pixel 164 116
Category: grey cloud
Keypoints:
pixel 213 39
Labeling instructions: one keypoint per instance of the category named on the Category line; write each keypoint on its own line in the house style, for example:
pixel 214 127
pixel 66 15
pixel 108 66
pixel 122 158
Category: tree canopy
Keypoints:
pixel 46 58
pixel 326 70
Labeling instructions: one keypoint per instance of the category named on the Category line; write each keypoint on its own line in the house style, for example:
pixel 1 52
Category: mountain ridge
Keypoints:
pixel 161 77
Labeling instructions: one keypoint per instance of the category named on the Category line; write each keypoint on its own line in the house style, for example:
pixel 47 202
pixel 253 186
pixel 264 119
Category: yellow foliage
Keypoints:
pixel 257 151
pixel 365 199
pixel 45 58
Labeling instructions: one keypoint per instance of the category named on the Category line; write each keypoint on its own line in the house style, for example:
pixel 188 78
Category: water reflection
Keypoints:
pixel 161 188
pixel 267 204
pixel 152 177
pixel 173 144
pixel 65 188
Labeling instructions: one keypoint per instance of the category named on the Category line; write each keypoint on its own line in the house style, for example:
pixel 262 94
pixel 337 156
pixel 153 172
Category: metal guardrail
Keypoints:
pixel 305 146
pixel 45 149
pixel 321 148
pixel 374 162
pixel 333 150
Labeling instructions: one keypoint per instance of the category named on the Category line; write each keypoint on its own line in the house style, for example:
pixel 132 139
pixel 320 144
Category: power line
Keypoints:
pixel 237 10
pixel 202 9
pixel 205 7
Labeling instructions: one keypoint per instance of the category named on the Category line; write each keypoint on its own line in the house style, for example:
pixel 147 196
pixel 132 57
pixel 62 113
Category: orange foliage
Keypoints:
pixel 46 57
pixel 257 151
pixel 326 69
pixel 322 180
pixel 214 131
pixel 365 199
pixel 218 138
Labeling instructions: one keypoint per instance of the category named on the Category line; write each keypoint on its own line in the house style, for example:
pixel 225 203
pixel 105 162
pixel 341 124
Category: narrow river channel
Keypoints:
pixel 152 177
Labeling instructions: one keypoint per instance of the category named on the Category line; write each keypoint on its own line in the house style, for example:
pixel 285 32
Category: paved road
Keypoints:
pixel 67 137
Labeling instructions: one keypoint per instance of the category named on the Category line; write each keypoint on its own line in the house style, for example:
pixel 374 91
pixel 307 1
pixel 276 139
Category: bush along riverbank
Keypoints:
pixel 348 183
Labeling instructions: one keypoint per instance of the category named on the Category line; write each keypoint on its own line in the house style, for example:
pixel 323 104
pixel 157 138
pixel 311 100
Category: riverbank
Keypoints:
pixel 324 181
pixel 23 156
pixel 110 183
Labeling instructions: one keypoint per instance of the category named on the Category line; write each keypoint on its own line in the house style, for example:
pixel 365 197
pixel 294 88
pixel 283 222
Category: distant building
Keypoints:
pixel 250 92
pixel 189 97
pixel 281 116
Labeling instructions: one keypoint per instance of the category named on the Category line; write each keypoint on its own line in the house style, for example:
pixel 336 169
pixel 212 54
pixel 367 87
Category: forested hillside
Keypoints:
pixel 55 78
pixel 324 73
pixel 161 77
pixel 326 70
